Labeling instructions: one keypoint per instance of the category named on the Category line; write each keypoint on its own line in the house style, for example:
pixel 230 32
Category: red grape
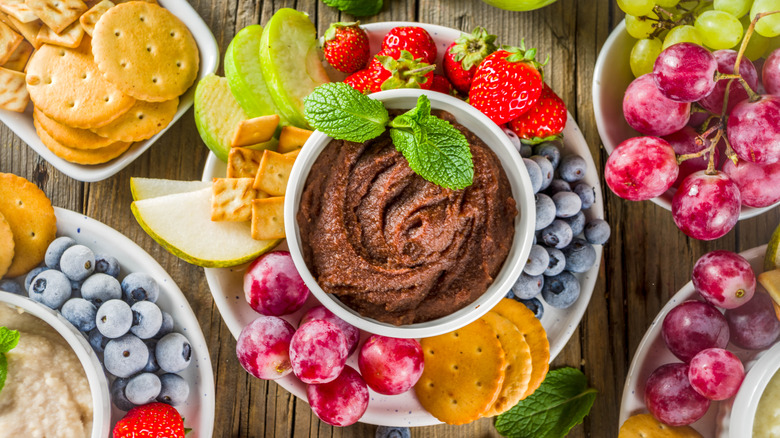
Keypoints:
pixel 754 131
pixel 754 325
pixel 390 366
pixel 684 142
pixel 650 112
pixel 272 285
pixel 318 352
pixel 263 347
pixel 771 73
pixel 321 312
pixel 692 327
pixel 641 168
pixel 341 402
pixel 758 184
pixel 706 207
pixel 685 72
pixel 724 279
pixel 670 397
pixel 716 373
pixel 726 59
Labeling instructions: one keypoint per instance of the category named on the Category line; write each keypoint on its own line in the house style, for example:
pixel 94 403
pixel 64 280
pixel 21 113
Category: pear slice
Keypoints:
pixel 182 224
pixel 772 256
pixel 145 188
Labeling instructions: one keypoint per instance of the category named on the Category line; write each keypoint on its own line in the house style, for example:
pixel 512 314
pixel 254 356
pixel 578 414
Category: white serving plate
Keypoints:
pixel 611 77
pixel 652 353
pixel 198 410
pixel 22 123
pixel 404 410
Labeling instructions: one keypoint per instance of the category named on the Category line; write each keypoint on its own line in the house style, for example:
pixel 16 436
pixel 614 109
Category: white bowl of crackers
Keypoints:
pixel 105 80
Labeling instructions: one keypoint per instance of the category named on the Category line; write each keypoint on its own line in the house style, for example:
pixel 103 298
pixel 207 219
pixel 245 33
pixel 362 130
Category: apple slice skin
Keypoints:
pixel 290 62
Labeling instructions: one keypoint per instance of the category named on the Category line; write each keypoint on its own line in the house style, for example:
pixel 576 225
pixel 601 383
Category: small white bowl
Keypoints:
pixel 495 138
pixel 98 384
pixel 611 77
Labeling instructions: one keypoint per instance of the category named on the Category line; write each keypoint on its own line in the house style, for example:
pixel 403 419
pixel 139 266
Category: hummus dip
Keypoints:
pixel 46 393
pixel 766 423
pixel 395 247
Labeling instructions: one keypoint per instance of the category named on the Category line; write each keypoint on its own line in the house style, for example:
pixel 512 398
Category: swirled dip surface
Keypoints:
pixel 395 247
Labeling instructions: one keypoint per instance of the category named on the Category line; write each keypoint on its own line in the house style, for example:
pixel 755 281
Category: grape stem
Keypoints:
pixel 729 151
pixel 748 33
pixel 711 165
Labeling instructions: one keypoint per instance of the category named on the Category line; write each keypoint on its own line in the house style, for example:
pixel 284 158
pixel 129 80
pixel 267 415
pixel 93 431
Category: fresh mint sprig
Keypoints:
pixel 435 150
pixel 9 339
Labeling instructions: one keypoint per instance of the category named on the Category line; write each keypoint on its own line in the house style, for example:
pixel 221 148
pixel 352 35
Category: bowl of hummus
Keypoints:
pixel 394 254
pixel 55 382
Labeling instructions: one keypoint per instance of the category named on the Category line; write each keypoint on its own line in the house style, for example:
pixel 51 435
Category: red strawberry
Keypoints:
pixel 363 81
pixel 346 47
pixel 506 84
pixel 441 84
pixel 414 39
pixel 154 420
pixel 401 70
pixel 464 55
pixel 544 121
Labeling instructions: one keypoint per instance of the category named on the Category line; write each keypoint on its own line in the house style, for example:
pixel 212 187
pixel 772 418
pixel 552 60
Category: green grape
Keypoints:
pixel 767 26
pixel 737 8
pixel 636 8
pixel 641 27
pixel 643 56
pixel 758 45
pixel 667 3
pixel 682 34
pixel 718 29
pixel 774 44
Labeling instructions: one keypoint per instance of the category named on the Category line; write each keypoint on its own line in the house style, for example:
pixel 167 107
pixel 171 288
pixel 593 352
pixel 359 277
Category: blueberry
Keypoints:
pixel 510 295
pixel 175 389
pixel 527 286
pixel 534 305
pixel 587 195
pixel 140 287
pixel 147 319
pixel 547 170
pixel 567 204
pixel 81 313
pixel 50 288
pixel 562 290
pixel 55 250
pixel 558 234
pixel 558 185
pixel 167 325
pixel 513 138
pixel 551 151
pixel 557 262
pixel 9 285
pixel 118 395
pixel 535 173
pixel 597 231
pixel 526 151
pixel 576 222
pixel 173 353
pixel 125 356
pixel 114 318
pixel 75 289
pixel 77 262
pixel 572 168
pixel 106 264
pixel 100 288
pixel 392 432
pixel 143 388
pixel 151 364
pixel 545 211
pixel 97 340
pixel 580 256
pixel 31 275
pixel 537 262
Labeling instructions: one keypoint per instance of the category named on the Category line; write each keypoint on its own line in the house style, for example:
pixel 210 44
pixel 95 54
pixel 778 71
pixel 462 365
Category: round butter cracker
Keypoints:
pixel 69 136
pixel 6 246
pixel 646 426
pixel 81 156
pixel 31 218
pixel 143 120
pixel 146 51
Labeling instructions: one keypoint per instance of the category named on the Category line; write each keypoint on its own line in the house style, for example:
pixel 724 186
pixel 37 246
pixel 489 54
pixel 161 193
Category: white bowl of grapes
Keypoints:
pixel 687 103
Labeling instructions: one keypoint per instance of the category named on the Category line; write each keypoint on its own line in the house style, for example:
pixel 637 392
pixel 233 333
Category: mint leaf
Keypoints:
pixel 435 150
pixel 8 339
pixel 343 113
pixel 357 8
pixel 560 403
pixel 3 370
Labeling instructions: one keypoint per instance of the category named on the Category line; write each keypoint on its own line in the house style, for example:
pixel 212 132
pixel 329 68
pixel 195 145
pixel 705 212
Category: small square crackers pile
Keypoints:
pixel 486 367
pixel 92 100
pixel 257 179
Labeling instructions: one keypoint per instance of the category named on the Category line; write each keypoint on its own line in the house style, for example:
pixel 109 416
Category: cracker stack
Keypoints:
pixel 100 78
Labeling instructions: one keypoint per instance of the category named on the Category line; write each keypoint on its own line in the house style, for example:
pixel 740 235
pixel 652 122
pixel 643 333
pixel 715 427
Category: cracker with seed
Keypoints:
pixel 28 30
pixel 9 41
pixel 268 218
pixel 274 172
pixel 231 199
pixel 6 245
pixel 91 17
pixel 19 9
pixel 646 426
pixel 57 14
pixel 18 59
pixel 81 156
pixel 13 93
pixel 292 138
pixel 143 120
pixel 70 37
pixel 75 138
pixel 243 162
pixel 463 373
pixel 254 131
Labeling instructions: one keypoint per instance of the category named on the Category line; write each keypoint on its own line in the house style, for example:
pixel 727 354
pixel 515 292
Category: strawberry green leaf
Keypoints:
pixel 343 113
pixel 358 8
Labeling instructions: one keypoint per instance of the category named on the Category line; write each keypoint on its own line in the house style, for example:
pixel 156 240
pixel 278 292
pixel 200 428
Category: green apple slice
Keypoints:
pixel 146 188
pixel 772 256
pixel 291 63
pixel 242 70
pixel 182 224
pixel 217 114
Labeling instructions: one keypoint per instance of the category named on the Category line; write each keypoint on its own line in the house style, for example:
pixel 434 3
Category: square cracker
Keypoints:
pixel 18 60
pixel 292 138
pixel 70 37
pixel 232 199
pixel 18 9
pixel 90 18
pixel 28 30
pixel 254 131
pixel 57 14
pixel 9 41
pixel 268 218
pixel 13 90
pixel 274 172
pixel 243 162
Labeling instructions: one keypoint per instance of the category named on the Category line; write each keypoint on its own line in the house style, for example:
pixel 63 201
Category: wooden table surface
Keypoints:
pixel 646 261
